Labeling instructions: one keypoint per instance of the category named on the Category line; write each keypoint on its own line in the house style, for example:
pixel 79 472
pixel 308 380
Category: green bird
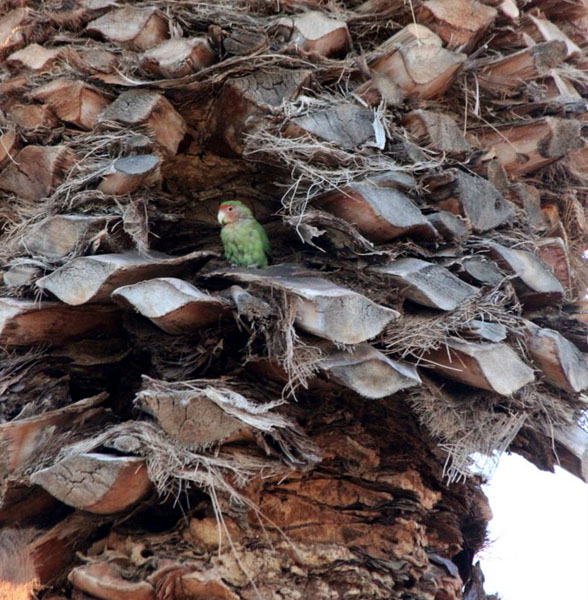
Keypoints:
pixel 244 239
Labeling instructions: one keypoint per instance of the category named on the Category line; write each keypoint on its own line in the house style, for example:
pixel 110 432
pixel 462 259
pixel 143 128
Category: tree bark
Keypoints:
pixel 174 427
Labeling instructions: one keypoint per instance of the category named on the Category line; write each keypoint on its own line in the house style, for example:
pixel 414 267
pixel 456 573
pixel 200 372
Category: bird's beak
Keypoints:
pixel 221 217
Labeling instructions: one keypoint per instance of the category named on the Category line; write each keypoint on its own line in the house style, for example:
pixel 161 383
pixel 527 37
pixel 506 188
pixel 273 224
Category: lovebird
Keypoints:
pixel 244 239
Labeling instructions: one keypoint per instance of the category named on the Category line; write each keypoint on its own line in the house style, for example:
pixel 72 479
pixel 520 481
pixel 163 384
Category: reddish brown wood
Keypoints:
pixel 153 112
pixel 174 305
pixel 577 163
pixel 572 445
pixel 540 29
pixel 415 61
pixel 98 483
pixel 15 29
pixel 73 101
pixel 415 188
pixel 346 125
pixel 207 586
pixel 132 26
pixel 62 235
pixel 459 23
pixel 436 130
pixel 322 308
pixel 53 550
pixel 560 362
pixel 368 372
pixel 34 57
pixel 493 367
pixel 128 174
pixel 36 170
pixel 192 417
pixel 525 147
pixel 244 101
pixel 554 252
pixel 315 32
pixel 426 283
pixel 104 580
pixel 536 284
pixel 22 438
pixel 26 322
pixel 23 505
pixel 33 116
pixel 178 57
pixel 506 74
pixel 379 213
pixel 472 197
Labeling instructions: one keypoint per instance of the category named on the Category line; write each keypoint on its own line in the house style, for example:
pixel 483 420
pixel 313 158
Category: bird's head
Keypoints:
pixel 231 211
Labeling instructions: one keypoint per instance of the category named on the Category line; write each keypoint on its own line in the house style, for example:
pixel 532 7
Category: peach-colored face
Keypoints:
pixel 229 213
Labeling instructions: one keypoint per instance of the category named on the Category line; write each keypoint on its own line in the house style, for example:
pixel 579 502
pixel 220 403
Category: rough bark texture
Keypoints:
pixel 172 428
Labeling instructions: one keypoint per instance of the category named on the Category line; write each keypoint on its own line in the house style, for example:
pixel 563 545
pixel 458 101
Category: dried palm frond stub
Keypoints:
pixel 60 236
pixel 127 174
pixel 314 32
pixel 368 372
pixel 493 367
pixel 178 57
pixel 421 171
pixel 150 111
pixel 174 305
pixel 427 284
pixel 321 307
pixel 96 277
pixel 414 59
pixel 132 26
pixel 95 482
pixel 26 322
pixel 73 101
pixel 380 213
pixel 34 57
pixel 36 171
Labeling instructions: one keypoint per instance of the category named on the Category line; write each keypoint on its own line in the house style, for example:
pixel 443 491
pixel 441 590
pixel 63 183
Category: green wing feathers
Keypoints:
pixel 246 244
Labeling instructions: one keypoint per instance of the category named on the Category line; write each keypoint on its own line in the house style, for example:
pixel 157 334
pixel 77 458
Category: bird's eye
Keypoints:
pixel 230 208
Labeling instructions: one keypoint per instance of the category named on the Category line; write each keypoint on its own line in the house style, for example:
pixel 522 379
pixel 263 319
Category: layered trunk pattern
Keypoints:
pixel 172 427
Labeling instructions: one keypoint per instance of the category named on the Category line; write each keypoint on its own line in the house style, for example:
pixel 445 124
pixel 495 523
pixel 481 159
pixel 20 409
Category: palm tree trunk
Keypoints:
pixel 176 428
